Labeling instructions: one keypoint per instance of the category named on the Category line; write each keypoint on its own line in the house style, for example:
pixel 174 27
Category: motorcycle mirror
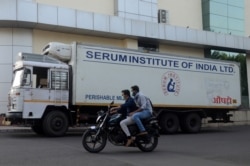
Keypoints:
pixel 111 104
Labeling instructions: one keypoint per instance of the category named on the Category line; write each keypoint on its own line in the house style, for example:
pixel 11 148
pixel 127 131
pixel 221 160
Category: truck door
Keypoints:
pixel 24 92
pixel 26 83
pixel 40 87
pixel 37 94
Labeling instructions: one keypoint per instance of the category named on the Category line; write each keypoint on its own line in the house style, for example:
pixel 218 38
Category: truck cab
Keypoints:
pixel 40 84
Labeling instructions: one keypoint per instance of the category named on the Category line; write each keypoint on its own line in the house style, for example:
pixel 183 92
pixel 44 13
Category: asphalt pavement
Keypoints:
pixel 222 146
pixel 22 128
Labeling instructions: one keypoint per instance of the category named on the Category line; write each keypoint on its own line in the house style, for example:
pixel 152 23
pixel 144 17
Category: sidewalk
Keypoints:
pixel 15 128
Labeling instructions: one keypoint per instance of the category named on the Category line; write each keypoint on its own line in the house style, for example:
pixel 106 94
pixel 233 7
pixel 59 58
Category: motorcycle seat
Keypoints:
pixel 151 118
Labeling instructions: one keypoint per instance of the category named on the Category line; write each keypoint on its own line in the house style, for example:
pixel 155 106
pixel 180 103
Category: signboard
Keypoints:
pixel 171 81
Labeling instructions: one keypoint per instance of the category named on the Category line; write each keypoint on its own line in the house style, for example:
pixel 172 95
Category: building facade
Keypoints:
pixel 185 28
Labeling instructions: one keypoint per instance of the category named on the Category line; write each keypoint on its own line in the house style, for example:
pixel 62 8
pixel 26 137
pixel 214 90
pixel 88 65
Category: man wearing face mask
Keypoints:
pixel 144 109
pixel 125 109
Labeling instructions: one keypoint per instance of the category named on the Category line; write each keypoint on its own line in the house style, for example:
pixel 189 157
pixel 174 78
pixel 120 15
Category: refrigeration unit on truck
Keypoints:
pixel 67 84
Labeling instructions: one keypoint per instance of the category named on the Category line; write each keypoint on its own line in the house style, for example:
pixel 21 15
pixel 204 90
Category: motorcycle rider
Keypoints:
pixel 95 138
pixel 144 110
pixel 125 109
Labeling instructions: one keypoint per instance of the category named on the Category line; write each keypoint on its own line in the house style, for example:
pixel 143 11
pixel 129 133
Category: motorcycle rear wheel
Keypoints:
pixel 148 146
pixel 93 143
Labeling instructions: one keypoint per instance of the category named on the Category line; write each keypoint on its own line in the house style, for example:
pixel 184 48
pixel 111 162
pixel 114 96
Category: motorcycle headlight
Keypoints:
pixel 99 115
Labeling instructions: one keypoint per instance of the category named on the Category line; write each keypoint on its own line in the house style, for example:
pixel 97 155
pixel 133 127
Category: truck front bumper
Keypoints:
pixel 14 115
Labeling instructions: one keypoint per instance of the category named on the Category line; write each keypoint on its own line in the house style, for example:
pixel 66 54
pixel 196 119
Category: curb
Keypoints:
pixel 217 125
pixel 6 129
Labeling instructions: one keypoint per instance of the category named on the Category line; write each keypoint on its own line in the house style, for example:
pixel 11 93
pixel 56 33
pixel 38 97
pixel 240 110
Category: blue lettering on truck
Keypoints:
pixel 102 97
pixel 156 61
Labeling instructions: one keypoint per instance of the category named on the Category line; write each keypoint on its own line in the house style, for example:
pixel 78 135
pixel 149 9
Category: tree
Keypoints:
pixel 240 58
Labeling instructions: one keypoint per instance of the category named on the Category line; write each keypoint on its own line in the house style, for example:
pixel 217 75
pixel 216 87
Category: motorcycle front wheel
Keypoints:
pixel 93 143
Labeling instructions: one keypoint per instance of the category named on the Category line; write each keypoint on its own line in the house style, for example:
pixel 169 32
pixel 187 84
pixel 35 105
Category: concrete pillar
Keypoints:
pixel 130 43
pixel 207 53
pixel 248 73
pixel 12 41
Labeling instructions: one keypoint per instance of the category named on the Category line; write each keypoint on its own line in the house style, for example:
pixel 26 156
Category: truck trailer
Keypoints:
pixel 68 84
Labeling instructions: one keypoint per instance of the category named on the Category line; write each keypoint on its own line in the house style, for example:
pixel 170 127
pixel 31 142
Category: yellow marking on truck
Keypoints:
pixel 45 101
pixel 165 106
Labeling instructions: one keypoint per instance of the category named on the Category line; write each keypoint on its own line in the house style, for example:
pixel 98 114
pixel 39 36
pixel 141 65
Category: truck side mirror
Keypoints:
pixel 24 82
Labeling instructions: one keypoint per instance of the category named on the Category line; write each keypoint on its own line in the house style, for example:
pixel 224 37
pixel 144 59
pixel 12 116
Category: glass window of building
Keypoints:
pixel 224 16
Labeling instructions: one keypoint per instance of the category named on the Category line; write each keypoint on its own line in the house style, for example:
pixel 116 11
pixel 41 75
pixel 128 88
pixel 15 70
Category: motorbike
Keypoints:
pixel 95 138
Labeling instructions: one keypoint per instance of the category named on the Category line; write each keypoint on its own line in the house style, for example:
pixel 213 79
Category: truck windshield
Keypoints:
pixel 22 77
pixel 18 78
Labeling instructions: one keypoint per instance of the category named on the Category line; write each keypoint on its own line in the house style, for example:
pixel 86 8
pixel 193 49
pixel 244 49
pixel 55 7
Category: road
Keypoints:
pixel 224 146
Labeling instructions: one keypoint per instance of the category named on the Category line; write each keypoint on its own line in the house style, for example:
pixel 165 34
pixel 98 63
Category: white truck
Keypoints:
pixel 67 84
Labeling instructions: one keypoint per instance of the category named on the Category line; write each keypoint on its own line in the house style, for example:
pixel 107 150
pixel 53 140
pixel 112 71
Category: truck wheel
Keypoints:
pixel 55 124
pixel 191 123
pixel 169 123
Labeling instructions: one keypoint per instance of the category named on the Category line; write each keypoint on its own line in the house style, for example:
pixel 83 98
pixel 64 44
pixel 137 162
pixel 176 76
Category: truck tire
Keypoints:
pixel 169 123
pixel 191 123
pixel 55 124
